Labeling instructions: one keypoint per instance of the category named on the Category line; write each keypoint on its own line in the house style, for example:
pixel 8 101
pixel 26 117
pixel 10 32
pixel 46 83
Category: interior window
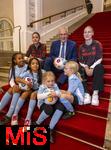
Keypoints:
pixel 6 38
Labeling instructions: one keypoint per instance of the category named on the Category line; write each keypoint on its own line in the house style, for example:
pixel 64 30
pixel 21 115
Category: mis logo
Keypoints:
pixel 15 138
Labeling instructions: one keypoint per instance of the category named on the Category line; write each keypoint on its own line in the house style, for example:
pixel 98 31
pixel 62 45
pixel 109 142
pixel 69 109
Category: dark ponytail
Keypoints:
pixel 12 68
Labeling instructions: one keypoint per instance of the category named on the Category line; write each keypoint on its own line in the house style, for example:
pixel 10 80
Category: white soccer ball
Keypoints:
pixel 60 63
pixel 24 86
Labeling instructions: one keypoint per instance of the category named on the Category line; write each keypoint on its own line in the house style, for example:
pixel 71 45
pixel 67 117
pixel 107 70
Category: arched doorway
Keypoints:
pixel 6 35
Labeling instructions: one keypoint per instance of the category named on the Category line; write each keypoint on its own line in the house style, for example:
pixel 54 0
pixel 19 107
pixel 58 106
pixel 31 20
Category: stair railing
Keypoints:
pixel 19 36
pixel 73 10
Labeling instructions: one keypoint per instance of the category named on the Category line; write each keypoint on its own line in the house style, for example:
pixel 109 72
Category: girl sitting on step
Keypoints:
pixel 18 67
pixel 48 102
pixel 75 92
pixel 34 73
pixel 36 49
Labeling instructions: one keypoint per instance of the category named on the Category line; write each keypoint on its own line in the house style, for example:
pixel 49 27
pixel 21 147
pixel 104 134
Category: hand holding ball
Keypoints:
pixel 50 100
pixel 26 87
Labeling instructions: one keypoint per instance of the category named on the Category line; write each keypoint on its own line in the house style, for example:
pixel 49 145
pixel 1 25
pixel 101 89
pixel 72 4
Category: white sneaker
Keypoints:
pixel 87 98
pixel 95 100
pixel 27 124
pixel 14 120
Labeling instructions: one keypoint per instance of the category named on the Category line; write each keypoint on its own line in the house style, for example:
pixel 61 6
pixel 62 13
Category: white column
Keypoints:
pixel 20 19
pixel 38 12
pixel 35 11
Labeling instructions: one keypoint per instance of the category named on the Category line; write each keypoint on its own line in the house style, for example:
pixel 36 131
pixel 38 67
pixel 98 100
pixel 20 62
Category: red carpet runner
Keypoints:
pixel 85 125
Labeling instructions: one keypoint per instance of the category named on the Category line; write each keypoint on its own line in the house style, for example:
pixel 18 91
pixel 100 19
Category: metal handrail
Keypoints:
pixel 19 34
pixel 49 17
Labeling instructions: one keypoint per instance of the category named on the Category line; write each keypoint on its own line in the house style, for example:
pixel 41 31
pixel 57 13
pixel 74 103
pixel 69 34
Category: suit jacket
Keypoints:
pixel 71 50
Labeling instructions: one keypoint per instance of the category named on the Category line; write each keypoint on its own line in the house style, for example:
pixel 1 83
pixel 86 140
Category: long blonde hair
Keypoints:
pixel 75 67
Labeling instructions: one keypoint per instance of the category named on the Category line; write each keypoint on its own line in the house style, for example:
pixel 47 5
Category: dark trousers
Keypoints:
pixel 98 75
pixel 50 109
pixel 48 66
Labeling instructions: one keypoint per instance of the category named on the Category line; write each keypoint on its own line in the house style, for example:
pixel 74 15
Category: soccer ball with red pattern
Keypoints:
pixel 60 63
pixel 24 86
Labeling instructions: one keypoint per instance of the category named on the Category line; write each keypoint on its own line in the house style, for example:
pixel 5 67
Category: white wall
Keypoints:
pixel 98 6
pixel 6 9
pixel 55 6
pixel 108 3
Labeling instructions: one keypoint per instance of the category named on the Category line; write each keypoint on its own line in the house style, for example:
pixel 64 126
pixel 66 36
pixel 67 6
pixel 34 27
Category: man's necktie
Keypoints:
pixel 63 51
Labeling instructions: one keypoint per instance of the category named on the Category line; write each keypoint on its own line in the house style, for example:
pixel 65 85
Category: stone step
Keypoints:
pixel 4 61
pixel 51 40
pixel 5 57
pixel 7 53
pixel 5 69
pixel 3 83
pixel 4 77
pixel 107 142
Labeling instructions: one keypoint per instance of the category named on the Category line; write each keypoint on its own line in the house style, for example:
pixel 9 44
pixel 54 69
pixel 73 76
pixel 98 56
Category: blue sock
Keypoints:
pixel 19 106
pixel 5 99
pixel 13 104
pixel 67 104
pixel 32 104
pixel 55 118
pixel 42 117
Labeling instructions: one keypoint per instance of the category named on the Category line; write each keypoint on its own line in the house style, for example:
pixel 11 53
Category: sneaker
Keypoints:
pixel 5 120
pixel 68 114
pixel 87 98
pixel 27 122
pixel 95 100
pixel 14 120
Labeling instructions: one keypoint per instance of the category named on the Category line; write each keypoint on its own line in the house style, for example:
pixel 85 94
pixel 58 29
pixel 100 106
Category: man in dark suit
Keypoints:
pixel 62 48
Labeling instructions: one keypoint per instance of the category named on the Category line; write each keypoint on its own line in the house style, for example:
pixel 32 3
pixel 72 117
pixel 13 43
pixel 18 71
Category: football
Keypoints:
pixel 24 86
pixel 60 63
